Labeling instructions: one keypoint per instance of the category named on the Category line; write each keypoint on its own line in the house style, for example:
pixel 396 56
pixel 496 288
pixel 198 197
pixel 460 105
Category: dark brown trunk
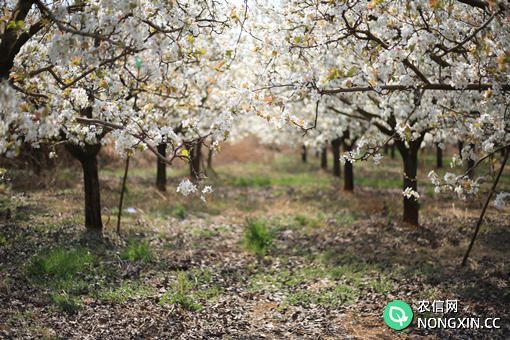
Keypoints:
pixel 470 164
pixel 335 145
pixel 87 156
pixel 439 157
pixel 11 43
pixel 348 169
pixel 210 158
pixel 324 158
pixel 410 159
pixel 303 154
pixel 194 164
pixel 392 153
pixel 161 169
pixel 122 192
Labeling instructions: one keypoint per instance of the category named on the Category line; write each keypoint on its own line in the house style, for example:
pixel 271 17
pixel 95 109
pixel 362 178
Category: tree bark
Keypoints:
pixel 348 168
pixel 335 145
pixel 161 169
pixel 194 164
pixel 87 156
pixel 210 158
pixel 11 43
pixel 410 159
pixel 470 164
pixel 392 153
pixel 303 154
pixel 324 158
pixel 122 192
pixel 439 157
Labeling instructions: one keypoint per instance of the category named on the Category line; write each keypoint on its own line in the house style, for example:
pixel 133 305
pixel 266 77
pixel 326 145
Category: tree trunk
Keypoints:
pixel 88 158
pixel 161 169
pixel 460 145
pixel 470 164
pixel 392 153
pixel 439 157
pixel 194 164
pixel 335 145
pixel 324 158
pixel 410 159
pixel 303 153
pixel 210 158
pixel 348 169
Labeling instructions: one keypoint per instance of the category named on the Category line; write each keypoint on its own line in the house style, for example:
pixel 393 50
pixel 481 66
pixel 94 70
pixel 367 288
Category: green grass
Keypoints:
pixel 179 211
pixel 332 298
pixel 125 292
pixel 3 240
pixel 137 250
pixel 191 289
pixel 66 303
pixel 378 182
pixel 60 263
pixel 181 293
pixel 252 181
pixel 257 236
pixel 306 221
pixel 62 271
pixel 296 286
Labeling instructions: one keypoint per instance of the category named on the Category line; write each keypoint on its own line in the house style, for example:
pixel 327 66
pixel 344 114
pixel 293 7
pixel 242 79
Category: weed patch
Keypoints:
pixel 137 250
pixel 186 293
pixel 257 236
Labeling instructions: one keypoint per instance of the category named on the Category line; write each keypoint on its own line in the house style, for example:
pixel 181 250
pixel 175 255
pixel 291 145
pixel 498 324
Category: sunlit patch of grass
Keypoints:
pixel 378 182
pixel 188 294
pixel 179 211
pixel 258 238
pixel 252 181
pixel 381 285
pixel 137 250
pixel 60 263
pixel 341 295
pixel 125 292
pixel 307 221
pixel 62 270
pixel 205 232
pixel 297 286
pixel 345 218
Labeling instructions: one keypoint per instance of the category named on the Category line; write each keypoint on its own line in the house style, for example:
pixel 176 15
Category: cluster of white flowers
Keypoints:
pixel 500 200
pixel 410 193
pixel 187 187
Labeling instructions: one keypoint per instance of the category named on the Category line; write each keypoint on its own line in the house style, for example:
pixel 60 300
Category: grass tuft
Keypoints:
pixel 66 303
pixel 125 292
pixel 60 263
pixel 257 236
pixel 137 250
pixel 253 181
pixel 181 293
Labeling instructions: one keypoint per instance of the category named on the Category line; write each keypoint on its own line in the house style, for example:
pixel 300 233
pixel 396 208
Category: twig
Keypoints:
pixel 122 190
pixel 482 214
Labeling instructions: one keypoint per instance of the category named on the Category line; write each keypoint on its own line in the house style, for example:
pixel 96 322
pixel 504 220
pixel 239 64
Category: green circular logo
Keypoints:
pixel 398 315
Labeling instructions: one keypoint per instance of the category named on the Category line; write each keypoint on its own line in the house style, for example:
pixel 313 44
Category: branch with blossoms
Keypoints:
pixel 144 138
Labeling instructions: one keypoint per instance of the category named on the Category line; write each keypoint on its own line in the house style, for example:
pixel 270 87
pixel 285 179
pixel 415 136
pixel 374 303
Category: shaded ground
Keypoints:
pixel 181 270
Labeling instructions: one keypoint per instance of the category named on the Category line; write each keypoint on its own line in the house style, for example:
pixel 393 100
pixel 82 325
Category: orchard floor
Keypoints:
pixel 180 269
